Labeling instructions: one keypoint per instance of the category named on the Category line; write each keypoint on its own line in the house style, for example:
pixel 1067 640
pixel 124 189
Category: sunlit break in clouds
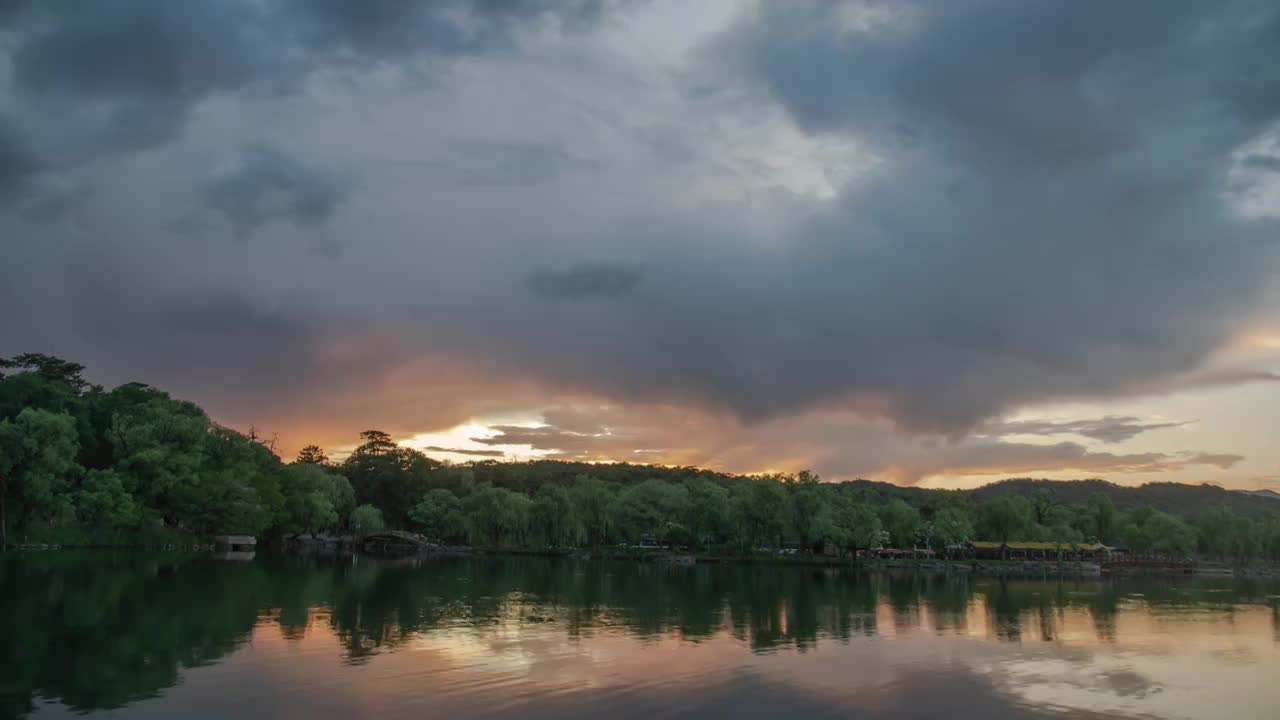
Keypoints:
pixel 935 243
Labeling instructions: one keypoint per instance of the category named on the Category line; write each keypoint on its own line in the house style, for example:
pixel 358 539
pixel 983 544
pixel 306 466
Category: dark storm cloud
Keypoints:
pixel 1112 429
pixel 1046 223
pixel 103 78
pixel 242 346
pixel 482 164
pixel 135 49
pixel 9 9
pixel 1052 229
pixel 585 281
pixel 378 28
pixel 1021 87
pixel 1045 218
pixel 224 348
pixel 271 185
pixel 1263 162
pixel 15 162
pixel 106 78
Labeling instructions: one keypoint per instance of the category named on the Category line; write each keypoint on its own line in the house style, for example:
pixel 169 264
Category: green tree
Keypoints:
pixel 592 501
pixel 41 391
pixel 238 487
pixel 103 501
pixel 1104 519
pixel 50 368
pixel 158 447
pixel 1271 539
pixel 1005 517
pixel 1229 536
pixel 1043 503
pixel 1169 534
pixel 1148 530
pixel 313 454
pixel 953 526
pixel 439 515
pixel 98 451
pixel 496 516
pixel 376 442
pixel 857 526
pixel 37 464
pixel 1131 528
pixel 707 512
pixel 554 517
pixel 388 476
pixel 1063 534
pixel 314 499
pixel 902 521
pixel 651 510
pixel 759 512
pixel 810 510
pixel 366 519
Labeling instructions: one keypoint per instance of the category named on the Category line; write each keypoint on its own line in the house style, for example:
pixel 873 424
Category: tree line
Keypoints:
pixel 84 465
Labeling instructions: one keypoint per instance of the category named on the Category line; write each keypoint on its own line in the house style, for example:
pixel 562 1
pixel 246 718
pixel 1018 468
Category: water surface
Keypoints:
pixel 117 635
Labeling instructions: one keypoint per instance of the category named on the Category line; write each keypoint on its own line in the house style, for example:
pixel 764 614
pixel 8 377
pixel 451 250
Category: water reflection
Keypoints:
pixel 558 638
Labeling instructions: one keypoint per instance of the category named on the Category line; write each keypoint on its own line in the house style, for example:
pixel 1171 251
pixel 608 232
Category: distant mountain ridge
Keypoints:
pixel 1178 498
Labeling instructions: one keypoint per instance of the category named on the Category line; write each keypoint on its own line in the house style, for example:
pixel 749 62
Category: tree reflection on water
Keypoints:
pixel 101 630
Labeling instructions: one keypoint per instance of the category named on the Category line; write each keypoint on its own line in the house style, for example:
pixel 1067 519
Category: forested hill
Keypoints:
pixel 1177 498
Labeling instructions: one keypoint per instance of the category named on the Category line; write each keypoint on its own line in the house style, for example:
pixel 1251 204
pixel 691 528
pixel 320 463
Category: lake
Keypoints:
pixel 124 635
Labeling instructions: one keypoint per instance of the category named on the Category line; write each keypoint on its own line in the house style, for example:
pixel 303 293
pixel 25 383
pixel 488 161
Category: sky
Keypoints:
pixel 924 242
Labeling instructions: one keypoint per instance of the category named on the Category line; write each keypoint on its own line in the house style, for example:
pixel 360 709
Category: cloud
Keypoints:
pixel 464 451
pixel 121 77
pixel 585 281
pixel 390 28
pixel 1229 376
pixel 1222 461
pixel 1019 459
pixel 926 74
pixel 483 164
pixel 271 185
pixel 547 437
pixel 1026 157
pixel 1111 429
pixel 16 164
pixel 1263 162
pixel 838 446
pixel 1015 209
pixel 127 76
pixel 658 433
pixel 132 49
pixel 225 340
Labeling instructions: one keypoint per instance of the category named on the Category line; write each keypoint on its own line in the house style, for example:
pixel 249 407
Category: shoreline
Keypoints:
pixel 989 568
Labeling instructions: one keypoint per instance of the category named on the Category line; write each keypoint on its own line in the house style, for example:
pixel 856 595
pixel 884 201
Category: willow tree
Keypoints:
pixel 37 462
